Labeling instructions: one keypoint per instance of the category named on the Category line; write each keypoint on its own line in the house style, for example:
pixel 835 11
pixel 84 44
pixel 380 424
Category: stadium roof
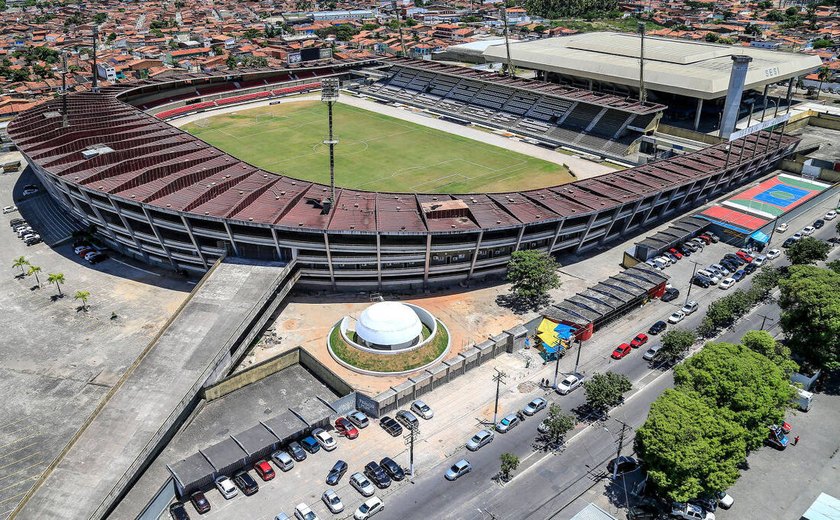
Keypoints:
pixel 693 69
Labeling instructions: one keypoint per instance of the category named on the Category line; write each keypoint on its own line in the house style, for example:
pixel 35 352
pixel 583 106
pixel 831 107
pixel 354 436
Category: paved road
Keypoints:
pixel 544 489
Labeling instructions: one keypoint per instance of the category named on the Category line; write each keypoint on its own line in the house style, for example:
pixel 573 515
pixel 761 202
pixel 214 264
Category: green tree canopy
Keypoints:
pixel 809 250
pixel 532 274
pixel 559 423
pixel 822 43
pixel 603 391
pixel 675 344
pixel 762 342
pixel 775 16
pixel 509 464
pixel 688 448
pixel 810 302
pixel 564 9
pixel 745 386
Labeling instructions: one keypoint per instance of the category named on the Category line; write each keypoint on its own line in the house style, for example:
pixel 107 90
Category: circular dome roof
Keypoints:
pixel 388 323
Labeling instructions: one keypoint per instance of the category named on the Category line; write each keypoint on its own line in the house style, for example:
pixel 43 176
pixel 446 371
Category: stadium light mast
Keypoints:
pixel 503 14
pixel 95 73
pixel 642 92
pixel 64 90
pixel 399 27
pixel 329 95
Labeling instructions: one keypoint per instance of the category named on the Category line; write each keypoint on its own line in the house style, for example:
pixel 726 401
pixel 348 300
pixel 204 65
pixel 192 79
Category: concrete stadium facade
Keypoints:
pixel 158 194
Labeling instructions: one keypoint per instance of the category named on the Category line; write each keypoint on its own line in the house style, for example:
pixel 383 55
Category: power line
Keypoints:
pixel 499 378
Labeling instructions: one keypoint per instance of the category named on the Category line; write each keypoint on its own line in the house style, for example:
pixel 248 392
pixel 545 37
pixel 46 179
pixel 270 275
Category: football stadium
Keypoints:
pixel 413 206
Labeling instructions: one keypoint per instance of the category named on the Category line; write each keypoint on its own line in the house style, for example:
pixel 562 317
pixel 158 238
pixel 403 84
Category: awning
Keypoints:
pixel 758 236
pixel 563 331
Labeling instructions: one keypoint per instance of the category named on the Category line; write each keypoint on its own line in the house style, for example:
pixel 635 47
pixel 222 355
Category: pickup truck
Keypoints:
pixel 690 512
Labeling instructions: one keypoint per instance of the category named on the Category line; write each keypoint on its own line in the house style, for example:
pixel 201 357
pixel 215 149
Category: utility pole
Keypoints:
pixel 556 366
pixel 624 428
pixel 691 281
pixel 577 360
pixel 64 90
pixel 503 13
pixel 642 92
pixel 95 72
pixel 411 435
pixel 764 320
pixel 499 378
pixel 329 95
pixel 399 28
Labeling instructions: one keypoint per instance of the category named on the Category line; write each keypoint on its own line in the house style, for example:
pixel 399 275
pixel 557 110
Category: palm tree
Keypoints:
pixel 21 262
pixel 83 296
pixel 822 74
pixel 34 269
pixel 57 279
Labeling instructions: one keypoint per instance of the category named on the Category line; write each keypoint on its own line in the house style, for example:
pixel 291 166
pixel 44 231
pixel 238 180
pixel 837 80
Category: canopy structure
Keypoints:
pixel 388 324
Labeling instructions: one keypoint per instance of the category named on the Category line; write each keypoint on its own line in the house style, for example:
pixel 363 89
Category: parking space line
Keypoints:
pixel 4 455
pixel 18 462
pixel 134 267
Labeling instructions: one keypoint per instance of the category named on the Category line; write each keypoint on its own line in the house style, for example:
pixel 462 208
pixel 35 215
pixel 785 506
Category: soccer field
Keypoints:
pixel 375 152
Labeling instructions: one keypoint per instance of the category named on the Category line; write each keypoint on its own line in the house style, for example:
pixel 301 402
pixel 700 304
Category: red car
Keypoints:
pixel 705 238
pixel 639 340
pixel 676 253
pixel 346 428
pixel 744 256
pixel 621 351
pixel 264 470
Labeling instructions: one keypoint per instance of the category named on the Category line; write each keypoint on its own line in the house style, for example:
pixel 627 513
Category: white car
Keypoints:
pixel 808 231
pixel 725 500
pixel 422 409
pixel 690 307
pixel 781 228
pixel 324 439
pixel 303 512
pixel 369 508
pixel 12 209
pixel 773 253
pixel 226 487
pixel 676 317
pixel 361 484
pixel 710 275
pixel 726 283
pixel 568 384
pixel 797 236
pixel 332 501
pixel 830 215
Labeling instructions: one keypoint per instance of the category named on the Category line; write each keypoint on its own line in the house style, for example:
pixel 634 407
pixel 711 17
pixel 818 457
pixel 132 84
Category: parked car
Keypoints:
pixel 621 351
pixel 336 472
pixel 788 242
pixel 9 209
pixel 713 279
pixel 760 260
pixel 458 470
pixel 714 237
pixel 369 508
pixel 707 238
pixel 690 307
pixel 534 406
pixel 422 409
pixel 721 270
pixel 264 470
pixel 735 258
pixel 324 439
pixel 390 425
pixel 361 484
pixel 690 512
pixel 670 294
pixel 178 512
pixel 743 255
pixel 200 502
pixel 358 419
pixel 625 464
pixel 246 483
pixel 676 317
pixel 507 423
pixel 701 281
pixel 773 254
pixel 831 215
pixel 724 499
pixel 797 236
pixel 684 250
pixel 480 440
pixel 750 267
pixel 226 487
pixel 651 353
pixel 310 444
pixel 95 258
pixel 782 227
pixel 332 501
pixel 818 224
pixel 282 460
pixel 738 275
pixel 303 512
pixel 346 428
pixel 393 469
pixel 569 383
pixel 377 475
pixel 296 451
pixel 726 283
pixel 671 257
pixel 676 253
pixel 808 231
pixel 407 419
pixel 657 328
pixel 639 340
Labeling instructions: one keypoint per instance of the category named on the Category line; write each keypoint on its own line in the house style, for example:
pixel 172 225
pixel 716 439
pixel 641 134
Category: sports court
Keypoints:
pixel 776 196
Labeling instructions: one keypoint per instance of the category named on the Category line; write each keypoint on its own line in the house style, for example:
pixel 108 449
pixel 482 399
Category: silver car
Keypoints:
pixel 507 423
pixel 534 406
pixel 422 409
pixel 480 440
pixel 361 484
pixel 651 352
pixel 332 501
pixel 458 470
pixel 358 419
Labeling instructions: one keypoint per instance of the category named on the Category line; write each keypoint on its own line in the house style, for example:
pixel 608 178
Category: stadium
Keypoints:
pixel 162 195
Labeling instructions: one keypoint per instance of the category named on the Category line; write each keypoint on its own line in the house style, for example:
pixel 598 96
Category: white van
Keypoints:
pixel 660 262
pixel 803 399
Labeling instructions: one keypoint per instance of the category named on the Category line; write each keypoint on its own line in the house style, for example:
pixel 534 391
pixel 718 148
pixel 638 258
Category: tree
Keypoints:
pixel 712 37
pixel 810 302
pixel 809 250
pixel 57 279
pixel 509 464
pixel 34 270
pixel 532 274
pixel 762 342
pixel 675 344
pixel 792 11
pixel 604 391
pixel 565 9
pixel 752 29
pixel 21 262
pixel 231 62
pixel 83 297
pixel 775 16
pixel 688 448
pixel 834 265
pixel 837 227
pixel 558 423
pixel 823 74
pixel 822 43
pixel 251 34
pixel 99 18
pixel 765 4
pixel 745 386
pixel 766 279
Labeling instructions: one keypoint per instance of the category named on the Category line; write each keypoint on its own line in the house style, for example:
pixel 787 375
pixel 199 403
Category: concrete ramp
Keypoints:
pixel 196 347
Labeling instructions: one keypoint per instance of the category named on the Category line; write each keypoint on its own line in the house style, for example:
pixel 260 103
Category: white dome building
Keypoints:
pixel 389 326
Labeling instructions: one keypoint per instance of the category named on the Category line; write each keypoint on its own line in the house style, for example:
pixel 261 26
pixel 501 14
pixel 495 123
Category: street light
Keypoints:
pixel 329 95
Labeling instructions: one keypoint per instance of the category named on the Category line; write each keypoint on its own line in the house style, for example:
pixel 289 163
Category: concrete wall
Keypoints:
pixel 336 383
pixel 685 133
pixel 252 374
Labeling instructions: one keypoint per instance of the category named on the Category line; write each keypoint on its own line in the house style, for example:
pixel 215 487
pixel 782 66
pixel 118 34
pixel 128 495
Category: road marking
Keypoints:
pixel 134 267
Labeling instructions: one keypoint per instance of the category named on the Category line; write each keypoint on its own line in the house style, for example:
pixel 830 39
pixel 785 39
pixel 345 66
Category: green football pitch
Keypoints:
pixel 375 152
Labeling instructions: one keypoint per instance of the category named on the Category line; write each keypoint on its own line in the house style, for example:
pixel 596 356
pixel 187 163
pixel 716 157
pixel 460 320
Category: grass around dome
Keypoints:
pixel 376 152
pixel 390 362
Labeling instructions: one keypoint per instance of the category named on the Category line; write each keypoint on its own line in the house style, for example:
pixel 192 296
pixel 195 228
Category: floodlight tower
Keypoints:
pixel 95 72
pixel 399 27
pixel 329 95
pixel 642 92
pixel 503 14
pixel 64 90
